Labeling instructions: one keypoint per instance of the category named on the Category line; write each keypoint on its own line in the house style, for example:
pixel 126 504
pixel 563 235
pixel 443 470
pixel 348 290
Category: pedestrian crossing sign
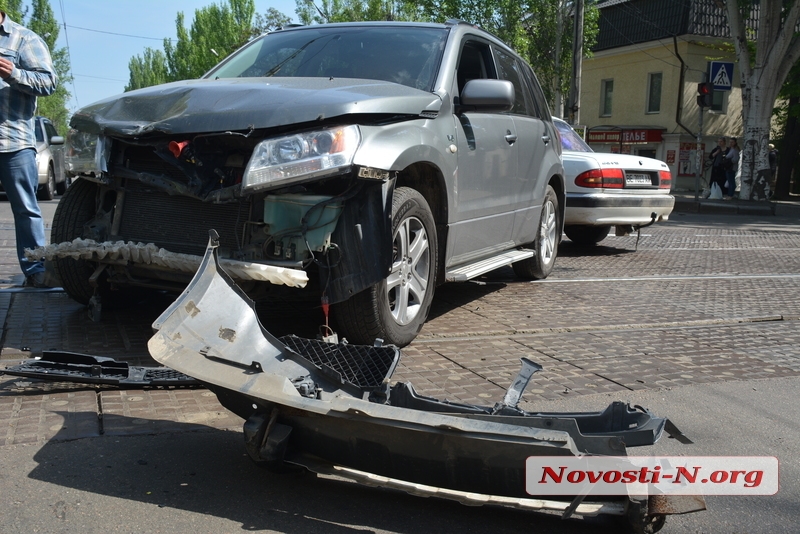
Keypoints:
pixel 721 75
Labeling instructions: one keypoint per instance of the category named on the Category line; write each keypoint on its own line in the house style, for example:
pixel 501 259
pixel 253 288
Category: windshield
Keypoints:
pixel 407 55
pixel 38 129
pixel 570 140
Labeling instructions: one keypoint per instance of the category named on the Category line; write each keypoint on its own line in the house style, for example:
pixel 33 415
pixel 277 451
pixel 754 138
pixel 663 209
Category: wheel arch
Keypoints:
pixel 427 179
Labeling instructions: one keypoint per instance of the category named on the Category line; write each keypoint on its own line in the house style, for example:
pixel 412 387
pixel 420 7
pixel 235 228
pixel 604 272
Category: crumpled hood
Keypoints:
pixel 202 106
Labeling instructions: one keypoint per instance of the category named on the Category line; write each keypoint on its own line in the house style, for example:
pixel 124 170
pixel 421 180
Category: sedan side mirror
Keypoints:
pixel 487 95
pixel 56 140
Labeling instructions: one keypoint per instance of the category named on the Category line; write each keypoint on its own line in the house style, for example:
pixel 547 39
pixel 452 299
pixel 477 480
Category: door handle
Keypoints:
pixel 546 139
pixel 511 138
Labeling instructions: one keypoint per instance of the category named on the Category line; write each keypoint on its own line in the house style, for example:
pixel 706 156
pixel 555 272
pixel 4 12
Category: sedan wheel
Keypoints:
pixel 396 308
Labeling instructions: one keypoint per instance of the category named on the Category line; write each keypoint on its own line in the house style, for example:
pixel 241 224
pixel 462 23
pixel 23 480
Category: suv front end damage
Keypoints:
pixel 333 409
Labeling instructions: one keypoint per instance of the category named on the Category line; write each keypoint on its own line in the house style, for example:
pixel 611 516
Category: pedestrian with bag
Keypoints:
pixel 730 163
pixel 717 171
pixel 26 71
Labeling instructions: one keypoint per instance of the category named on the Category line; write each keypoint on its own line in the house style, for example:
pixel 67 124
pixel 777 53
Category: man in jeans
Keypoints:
pixel 26 71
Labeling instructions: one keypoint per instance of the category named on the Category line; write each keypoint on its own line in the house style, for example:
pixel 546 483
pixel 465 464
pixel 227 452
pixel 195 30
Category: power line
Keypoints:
pixel 119 34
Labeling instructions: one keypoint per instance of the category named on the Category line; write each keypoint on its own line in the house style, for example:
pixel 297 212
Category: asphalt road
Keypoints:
pixel 698 322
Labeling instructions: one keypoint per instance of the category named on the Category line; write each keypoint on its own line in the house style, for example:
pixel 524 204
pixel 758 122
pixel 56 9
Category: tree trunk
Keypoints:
pixel 755 150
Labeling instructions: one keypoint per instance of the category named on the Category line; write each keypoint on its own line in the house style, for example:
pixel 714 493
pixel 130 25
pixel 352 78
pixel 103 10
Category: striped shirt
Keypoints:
pixel 33 76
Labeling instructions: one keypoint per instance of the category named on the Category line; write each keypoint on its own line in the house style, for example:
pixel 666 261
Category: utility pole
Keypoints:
pixel 577 65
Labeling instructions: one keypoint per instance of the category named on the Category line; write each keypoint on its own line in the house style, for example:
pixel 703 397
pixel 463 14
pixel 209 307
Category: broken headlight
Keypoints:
pixel 86 153
pixel 302 156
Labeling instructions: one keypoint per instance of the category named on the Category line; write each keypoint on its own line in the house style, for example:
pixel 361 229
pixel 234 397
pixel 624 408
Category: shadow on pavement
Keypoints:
pixel 207 472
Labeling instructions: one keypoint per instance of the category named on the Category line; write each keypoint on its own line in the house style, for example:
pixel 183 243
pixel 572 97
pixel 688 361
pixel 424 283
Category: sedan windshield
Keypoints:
pixel 405 55
pixel 570 140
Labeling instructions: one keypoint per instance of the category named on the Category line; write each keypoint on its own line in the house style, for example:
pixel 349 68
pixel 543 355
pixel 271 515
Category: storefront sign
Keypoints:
pixel 628 137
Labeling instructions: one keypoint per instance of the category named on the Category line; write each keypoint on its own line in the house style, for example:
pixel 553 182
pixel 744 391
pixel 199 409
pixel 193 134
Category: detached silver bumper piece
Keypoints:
pixel 120 252
pixel 333 409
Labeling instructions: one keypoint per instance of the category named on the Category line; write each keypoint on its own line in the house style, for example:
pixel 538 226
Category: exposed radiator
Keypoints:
pixel 176 223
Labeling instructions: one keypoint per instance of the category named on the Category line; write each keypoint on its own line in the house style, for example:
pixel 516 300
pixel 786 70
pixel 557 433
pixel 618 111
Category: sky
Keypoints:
pixel 102 37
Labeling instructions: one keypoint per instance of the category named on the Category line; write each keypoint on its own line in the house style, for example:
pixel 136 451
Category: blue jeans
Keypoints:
pixel 731 182
pixel 20 179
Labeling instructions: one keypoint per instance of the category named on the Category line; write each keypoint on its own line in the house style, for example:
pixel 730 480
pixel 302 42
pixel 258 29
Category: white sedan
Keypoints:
pixel 605 190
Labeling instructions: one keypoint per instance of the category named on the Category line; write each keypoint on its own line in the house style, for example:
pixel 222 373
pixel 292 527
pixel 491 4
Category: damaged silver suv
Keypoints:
pixel 367 162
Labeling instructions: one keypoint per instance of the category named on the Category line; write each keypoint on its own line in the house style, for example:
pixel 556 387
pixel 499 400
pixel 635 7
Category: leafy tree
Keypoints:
pixel 326 11
pixel 269 21
pixel 43 23
pixel 216 31
pixel 54 107
pixel 148 69
pixel 762 75
pixel 13 8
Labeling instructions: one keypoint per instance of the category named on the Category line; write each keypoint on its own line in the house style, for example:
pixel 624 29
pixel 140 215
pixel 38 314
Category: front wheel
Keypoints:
pixel 395 308
pixel 546 245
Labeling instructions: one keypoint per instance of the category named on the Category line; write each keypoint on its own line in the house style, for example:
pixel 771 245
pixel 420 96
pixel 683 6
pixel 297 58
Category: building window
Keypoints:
pixel 607 96
pixel 654 92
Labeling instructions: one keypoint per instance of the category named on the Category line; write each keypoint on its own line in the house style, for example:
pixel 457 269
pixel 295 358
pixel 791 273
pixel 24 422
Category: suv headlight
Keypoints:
pixel 302 156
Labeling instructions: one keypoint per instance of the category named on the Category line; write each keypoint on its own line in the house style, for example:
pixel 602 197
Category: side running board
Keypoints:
pixel 467 272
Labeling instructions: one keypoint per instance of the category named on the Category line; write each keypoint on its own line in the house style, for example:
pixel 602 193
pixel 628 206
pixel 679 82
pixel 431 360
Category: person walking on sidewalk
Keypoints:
pixel 26 71
pixel 730 163
pixel 717 171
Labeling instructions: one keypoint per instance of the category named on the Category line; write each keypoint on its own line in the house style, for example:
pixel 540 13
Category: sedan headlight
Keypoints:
pixel 298 157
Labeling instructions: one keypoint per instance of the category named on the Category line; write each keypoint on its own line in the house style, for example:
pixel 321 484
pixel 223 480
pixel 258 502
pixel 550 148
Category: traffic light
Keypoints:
pixel 705 94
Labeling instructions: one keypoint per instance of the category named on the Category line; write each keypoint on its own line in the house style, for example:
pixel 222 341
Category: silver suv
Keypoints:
pixel 368 162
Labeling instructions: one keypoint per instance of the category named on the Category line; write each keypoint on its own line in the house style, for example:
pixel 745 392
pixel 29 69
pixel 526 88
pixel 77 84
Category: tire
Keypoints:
pixel 586 236
pixel 546 245
pixel 61 188
pixel 76 208
pixel 395 309
pixel 48 191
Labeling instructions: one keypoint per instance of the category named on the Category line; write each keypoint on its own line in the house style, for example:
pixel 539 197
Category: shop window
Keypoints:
pixel 654 92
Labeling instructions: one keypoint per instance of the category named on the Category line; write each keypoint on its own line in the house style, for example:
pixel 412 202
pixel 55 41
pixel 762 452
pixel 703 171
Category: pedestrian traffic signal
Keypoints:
pixel 705 94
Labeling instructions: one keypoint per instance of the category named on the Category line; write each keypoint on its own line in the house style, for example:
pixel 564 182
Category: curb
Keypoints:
pixel 687 204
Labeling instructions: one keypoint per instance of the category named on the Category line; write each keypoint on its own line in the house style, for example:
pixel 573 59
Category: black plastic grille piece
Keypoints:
pixel 178 223
pixel 363 366
pixel 85 369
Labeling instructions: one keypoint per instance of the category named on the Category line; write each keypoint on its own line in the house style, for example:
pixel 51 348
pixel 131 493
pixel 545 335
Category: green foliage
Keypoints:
pixel 269 21
pixel 13 8
pixel 326 11
pixel 54 107
pixel 42 21
pixel 148 69
pixel 216 31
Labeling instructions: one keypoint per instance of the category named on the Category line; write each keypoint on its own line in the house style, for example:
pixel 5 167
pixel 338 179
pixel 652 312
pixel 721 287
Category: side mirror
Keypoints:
pixel 488 95
pixel 56 140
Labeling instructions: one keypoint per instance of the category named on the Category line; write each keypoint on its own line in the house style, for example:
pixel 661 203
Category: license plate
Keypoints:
pixel 637 179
